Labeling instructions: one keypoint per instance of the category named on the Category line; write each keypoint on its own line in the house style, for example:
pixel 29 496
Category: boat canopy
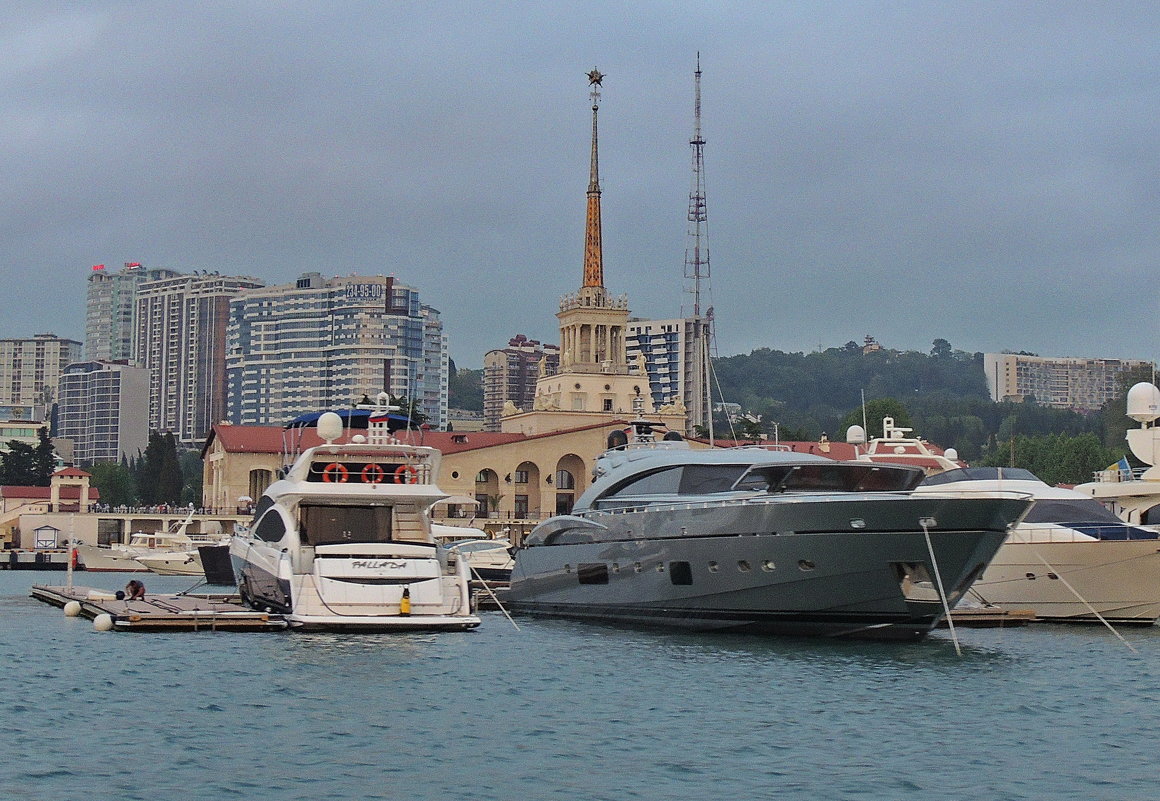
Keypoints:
pixel 354 418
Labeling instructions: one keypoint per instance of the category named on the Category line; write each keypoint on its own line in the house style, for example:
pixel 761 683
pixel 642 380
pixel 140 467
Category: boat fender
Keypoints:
pixel 405 602
pixel 103 622
pixel 406 474
pixel 373 474
pixel 72 609
pixel 335 473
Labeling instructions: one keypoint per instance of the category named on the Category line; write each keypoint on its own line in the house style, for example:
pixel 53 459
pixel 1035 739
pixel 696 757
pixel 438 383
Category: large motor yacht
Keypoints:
pixel 758 540
pixel 343 541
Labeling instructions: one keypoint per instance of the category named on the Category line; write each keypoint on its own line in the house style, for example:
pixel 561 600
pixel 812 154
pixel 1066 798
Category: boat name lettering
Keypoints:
pixel 374 564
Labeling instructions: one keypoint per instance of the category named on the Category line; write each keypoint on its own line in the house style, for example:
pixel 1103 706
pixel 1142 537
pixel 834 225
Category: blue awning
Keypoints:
pixel 353 418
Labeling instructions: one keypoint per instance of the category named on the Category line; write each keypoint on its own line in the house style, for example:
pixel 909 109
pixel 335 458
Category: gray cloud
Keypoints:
pixel 983 172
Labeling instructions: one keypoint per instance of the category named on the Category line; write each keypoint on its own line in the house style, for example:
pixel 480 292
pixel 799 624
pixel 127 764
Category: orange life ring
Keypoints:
pixel 373 474
pixel 401 474
pixel 335 473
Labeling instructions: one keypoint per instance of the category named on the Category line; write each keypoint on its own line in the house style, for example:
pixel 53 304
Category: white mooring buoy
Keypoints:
pixel 72 609
pixel 103 622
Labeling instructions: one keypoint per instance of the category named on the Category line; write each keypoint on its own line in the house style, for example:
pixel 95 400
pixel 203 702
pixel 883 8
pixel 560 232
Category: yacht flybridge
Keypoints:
pixel 343 541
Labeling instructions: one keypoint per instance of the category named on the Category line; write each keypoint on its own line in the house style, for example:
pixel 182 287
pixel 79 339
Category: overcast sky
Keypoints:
pixel 982 172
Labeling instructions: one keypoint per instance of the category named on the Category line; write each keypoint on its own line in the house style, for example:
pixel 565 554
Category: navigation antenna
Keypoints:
pixel 697 271
pixel 697 250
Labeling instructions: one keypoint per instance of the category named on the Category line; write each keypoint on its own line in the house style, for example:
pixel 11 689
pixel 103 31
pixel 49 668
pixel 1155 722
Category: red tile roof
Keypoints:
pixel 45 493
pixel 273 439
pixel 72 472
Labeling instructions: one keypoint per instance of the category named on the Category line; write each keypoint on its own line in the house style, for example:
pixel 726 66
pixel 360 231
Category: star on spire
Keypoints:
pixel 595 77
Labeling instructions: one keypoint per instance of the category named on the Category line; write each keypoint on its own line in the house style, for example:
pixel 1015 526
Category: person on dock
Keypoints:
pixel 134 591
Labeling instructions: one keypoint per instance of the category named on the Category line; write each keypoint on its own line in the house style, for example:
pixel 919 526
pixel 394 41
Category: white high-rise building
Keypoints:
pixel 111 310
pixel 104 410
pixel 181 338
pixel 31 368
pixel 324 343
pixel 675 357
pixel 1066 383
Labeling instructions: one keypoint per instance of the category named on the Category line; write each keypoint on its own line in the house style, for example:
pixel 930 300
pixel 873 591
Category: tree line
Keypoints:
pixel 942 395
pixel 162 475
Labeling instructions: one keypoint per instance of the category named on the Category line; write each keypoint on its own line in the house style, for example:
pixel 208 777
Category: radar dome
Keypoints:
pixel 1144 402
pixel 329 426
pixel 855 435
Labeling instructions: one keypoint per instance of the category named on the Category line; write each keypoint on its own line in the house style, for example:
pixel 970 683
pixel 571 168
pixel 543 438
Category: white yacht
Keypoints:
pixel 343 541
pixel 757 540
pixel 174 545
pixel 1134 498
pixel 1068 559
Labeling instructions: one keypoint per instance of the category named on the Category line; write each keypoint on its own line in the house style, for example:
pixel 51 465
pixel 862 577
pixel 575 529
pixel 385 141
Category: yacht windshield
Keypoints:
pixel 982 474
pixel 322 525
pixel 831 477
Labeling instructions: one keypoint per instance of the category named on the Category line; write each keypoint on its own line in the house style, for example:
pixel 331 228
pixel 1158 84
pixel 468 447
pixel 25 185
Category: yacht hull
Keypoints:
pixel 352 594
pixel 180 563
pixel 821 567
pixel 1120 579
pixel 110 560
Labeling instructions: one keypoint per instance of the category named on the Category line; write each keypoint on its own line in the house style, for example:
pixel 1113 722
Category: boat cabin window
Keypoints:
pixel 271 527
pixel 327 525
pixel 693 479
pixel 831 477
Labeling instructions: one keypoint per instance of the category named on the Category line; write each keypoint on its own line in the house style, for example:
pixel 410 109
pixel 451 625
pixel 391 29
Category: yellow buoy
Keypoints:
pixel 72 609
pixel 103 622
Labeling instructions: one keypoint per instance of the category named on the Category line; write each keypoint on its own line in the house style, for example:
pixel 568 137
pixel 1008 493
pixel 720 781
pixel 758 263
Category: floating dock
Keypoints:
pixel 161 612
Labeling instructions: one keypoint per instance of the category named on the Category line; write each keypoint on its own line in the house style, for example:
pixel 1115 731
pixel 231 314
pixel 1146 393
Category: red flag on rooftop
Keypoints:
pixel 98 266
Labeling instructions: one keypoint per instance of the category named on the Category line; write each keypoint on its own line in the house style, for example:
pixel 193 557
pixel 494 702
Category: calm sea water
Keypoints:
pixel 562 710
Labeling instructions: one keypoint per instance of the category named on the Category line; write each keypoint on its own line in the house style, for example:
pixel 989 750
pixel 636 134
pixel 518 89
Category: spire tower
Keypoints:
pixel 593 250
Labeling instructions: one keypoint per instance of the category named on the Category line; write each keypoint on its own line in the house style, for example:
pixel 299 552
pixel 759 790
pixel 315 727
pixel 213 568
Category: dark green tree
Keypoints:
pixel 465 389
pixel 876 410
pixel 18 467
pixel 148 472
pixel 45 457
pixel 115 483
pixel 191 470
pixel 169 479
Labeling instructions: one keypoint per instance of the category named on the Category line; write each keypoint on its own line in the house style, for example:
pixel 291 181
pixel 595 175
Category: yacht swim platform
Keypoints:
pixel 163 611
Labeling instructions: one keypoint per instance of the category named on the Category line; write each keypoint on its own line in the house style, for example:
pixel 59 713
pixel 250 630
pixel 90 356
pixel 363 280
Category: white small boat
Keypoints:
pixel 489 560
pixel 174 563
pixel 172 545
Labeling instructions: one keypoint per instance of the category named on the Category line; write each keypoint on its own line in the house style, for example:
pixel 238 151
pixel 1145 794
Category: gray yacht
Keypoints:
pixel 758 540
